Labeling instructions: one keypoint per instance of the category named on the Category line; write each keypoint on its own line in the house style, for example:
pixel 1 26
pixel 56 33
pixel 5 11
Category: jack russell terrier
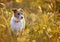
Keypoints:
pixel 17 22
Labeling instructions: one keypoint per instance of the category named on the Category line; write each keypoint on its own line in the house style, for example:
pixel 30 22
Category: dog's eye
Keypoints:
pixel 18 14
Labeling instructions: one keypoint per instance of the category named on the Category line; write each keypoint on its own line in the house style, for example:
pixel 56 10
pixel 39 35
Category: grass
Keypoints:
pixel 39 28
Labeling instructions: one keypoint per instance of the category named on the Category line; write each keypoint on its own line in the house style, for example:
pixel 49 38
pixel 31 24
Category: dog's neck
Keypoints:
pixel 15 19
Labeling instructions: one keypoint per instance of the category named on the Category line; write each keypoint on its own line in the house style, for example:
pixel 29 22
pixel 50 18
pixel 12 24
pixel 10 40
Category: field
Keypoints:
pixel 42 24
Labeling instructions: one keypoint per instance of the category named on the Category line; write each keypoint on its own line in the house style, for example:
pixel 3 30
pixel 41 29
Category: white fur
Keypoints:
pixel 17 26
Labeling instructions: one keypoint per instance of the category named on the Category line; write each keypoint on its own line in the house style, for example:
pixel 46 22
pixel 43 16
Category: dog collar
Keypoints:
pixel 16 21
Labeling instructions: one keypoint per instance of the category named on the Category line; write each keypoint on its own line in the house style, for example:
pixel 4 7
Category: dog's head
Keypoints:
pixel 18 13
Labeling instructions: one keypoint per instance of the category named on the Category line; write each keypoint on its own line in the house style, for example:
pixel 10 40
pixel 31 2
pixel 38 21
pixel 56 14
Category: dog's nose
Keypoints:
pixel 21 17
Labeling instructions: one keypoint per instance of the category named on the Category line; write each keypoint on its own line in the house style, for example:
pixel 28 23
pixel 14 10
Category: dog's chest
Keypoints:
pixel 17 25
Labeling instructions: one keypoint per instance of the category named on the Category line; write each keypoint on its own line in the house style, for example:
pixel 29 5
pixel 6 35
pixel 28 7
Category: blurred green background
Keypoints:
pixel 42 20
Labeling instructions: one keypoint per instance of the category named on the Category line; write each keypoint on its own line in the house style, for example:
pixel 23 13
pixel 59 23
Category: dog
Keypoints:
pixel 17 22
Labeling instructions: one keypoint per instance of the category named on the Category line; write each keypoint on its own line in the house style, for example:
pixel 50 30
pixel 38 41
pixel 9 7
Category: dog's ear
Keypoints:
pixel 14 10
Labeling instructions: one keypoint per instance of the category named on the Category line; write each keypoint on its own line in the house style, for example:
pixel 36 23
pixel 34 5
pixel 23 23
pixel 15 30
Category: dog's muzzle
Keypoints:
pixel 21 17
